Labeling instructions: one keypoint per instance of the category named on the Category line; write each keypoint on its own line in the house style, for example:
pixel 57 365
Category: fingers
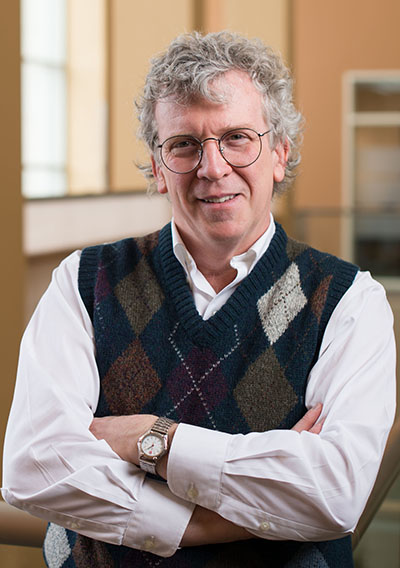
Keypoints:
pixel 309 421
pixel 316 429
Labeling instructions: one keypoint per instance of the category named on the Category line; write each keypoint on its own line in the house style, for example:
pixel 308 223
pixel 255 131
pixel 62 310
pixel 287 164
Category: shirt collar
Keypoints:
pixel 248 259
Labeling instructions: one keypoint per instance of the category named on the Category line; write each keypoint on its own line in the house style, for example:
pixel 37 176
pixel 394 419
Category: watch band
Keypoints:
pixel 162 425
pixel 160 428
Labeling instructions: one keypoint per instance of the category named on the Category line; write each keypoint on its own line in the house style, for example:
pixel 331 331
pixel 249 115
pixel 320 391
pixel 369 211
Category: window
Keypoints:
pixel 373 171
pixel 64 106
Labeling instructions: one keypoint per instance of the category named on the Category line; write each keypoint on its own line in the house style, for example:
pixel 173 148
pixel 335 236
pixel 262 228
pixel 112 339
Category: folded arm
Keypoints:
pixel 284 485
pixel 205 526
pixel 54 467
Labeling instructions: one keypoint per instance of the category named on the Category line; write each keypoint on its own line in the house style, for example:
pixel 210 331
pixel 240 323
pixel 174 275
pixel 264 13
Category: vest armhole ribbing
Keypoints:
pixel 88 268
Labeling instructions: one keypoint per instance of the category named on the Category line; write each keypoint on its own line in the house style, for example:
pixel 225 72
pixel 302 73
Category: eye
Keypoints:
pixel 237 138
pixel 182 145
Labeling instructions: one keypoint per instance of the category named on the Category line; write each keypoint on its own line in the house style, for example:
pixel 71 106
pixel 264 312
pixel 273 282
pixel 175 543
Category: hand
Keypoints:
pixel 309 422
pixel 122 433
pixel 207 527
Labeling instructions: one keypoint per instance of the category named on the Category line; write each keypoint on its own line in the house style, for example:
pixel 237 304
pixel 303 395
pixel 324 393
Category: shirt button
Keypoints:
pixel 75 525
pixel 264 526
pixel 192 492
pixel 149 543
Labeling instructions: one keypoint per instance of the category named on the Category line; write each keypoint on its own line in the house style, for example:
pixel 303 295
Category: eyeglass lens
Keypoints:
pixel 240 148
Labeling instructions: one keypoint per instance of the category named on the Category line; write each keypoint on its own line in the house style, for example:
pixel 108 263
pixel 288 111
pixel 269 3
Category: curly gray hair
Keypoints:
pixel 187 69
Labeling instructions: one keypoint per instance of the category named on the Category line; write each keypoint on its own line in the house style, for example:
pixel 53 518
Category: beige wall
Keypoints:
pixel 329 38
pixel 266 19
pixel 12 275
pixel 137 31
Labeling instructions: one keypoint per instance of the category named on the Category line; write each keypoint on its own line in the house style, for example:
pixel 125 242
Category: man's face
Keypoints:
pixel 218 204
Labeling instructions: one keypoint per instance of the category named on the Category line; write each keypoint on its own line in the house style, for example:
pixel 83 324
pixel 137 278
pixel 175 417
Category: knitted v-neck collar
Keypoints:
pixel 259 279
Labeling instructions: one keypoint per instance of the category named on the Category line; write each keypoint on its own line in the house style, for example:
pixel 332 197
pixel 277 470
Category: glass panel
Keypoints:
pixel 42 182
pixel 43 35
pixel 377 96
pixel 377 243
pixel 43 116
pixel 377 165
pixel 377 200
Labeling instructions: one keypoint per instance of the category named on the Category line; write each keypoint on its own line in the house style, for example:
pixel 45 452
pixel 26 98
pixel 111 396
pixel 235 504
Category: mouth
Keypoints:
pixel 219 199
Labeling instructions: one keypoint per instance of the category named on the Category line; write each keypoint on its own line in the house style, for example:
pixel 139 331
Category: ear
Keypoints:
pixel 281 153
pixel 158 176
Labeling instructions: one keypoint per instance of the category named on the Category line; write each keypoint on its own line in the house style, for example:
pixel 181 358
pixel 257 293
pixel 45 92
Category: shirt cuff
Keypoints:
pixel 194 471
pixel 159 520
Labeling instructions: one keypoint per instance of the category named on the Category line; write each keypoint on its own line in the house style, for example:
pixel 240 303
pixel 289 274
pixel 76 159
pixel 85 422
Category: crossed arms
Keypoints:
pixel 277 484
pixel 205 526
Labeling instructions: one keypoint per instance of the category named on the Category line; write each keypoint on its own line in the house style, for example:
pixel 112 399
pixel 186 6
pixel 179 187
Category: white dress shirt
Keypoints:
pixel 278 484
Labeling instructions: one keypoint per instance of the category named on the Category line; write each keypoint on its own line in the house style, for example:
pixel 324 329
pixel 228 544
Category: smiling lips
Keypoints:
pixel 219 199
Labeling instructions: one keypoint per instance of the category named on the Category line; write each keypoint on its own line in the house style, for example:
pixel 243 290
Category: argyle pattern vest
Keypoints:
pixel 243 370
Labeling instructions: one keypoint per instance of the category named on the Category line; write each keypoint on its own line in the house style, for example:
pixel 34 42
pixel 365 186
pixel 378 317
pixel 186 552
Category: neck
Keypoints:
pixel 214 263
pixel 219 277
pixel 213 257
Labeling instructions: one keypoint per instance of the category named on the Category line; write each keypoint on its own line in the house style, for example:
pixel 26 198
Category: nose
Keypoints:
pixel 212 165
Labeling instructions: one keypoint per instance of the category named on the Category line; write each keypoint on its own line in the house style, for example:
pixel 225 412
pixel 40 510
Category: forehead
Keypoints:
pixel 241 105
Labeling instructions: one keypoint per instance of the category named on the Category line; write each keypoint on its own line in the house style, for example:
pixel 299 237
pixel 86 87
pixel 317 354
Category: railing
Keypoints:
pixel 369 237
pixel 19 528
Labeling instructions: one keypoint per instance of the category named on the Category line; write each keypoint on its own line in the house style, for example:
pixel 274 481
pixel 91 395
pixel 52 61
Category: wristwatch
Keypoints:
pixel 153 444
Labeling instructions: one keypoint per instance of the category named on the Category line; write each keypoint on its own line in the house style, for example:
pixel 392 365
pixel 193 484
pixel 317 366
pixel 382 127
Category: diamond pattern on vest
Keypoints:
pixel 147 243
pixel 318 299
pixel 308 556
pixel 87 554
pixel 103 287
pixel 56 546
pixel 264 395
pixel 196 390
pixel 280 305
pixel 139 302
pixel 198 385
pixel 131 381
pixel 295 248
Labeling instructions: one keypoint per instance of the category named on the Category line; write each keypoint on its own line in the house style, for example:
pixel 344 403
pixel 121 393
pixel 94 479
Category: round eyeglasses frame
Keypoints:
pixel 220 148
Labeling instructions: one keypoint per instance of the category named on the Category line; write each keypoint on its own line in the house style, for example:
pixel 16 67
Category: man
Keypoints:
pixel 199 349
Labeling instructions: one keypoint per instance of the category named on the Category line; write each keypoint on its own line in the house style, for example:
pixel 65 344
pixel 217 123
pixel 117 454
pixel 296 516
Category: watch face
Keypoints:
pixel 152 445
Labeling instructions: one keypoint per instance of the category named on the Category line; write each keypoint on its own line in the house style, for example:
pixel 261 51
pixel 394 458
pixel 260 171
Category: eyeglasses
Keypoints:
pixel 240 148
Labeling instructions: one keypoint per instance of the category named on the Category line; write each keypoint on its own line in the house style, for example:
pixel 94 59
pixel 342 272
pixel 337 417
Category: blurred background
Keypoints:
pixel 71 71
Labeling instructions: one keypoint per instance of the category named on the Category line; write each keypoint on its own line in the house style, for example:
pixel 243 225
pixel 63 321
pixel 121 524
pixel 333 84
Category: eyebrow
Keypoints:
pixel 222 131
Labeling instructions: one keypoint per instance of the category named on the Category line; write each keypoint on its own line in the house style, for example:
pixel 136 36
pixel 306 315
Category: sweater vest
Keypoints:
pixel 243 370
